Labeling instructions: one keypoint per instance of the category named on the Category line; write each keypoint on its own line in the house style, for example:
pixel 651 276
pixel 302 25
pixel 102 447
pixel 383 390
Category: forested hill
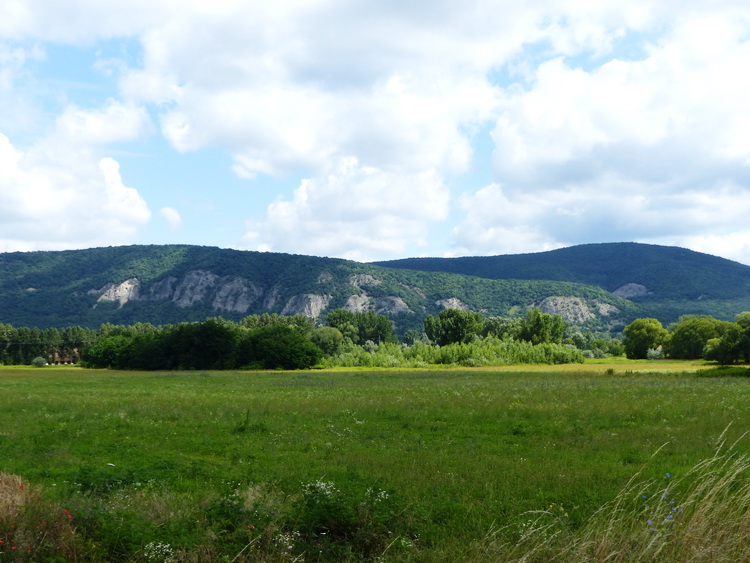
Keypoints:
pixel 666 272
pixel 175 283
pixel 666 282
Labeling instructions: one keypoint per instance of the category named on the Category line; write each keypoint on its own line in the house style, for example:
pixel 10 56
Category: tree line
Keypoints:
pixel 19 346
pixel 691 337
pixel 271 341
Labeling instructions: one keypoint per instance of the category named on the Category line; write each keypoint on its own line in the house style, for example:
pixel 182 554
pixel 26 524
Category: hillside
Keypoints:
pixel 168 284
pixel 665 281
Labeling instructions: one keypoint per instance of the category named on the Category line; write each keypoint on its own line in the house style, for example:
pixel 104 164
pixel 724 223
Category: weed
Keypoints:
pixel 31 528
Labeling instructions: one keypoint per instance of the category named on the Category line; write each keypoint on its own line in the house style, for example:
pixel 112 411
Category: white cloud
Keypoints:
pixel 16 96
pixel 356 212
pixel 653 150
pixel 49 204
pixel 80 21
pixel 112 123
pixel 612 120
pixel 172 217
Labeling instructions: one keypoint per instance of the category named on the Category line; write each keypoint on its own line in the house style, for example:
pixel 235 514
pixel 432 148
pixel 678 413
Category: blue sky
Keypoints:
pixel 375 130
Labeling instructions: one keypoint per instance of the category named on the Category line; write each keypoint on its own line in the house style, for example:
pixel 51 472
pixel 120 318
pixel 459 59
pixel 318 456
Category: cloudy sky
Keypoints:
pixel 374 129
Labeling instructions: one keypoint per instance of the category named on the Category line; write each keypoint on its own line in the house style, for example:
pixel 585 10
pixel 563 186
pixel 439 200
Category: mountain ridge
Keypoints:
pixel 164 284
pixel 628 262
pixel 173 283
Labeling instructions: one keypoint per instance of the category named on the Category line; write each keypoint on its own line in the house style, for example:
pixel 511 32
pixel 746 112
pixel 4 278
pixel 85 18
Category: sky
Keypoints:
pixel 375 129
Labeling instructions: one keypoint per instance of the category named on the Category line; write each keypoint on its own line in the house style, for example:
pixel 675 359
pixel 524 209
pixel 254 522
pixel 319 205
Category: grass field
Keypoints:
pixel 424 465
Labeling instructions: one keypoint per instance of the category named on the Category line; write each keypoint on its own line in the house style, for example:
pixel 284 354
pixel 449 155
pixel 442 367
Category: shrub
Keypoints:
pixel 38 362
pixel 654 354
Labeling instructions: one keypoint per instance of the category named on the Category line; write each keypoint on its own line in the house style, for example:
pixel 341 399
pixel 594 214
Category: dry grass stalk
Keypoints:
pixel 13 492
pixel 703 516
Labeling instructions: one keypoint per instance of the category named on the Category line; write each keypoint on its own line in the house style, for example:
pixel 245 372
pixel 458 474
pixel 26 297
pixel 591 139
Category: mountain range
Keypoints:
pixel 599 287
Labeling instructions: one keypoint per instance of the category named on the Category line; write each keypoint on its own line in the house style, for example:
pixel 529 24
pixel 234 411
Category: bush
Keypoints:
pixel 654 354
pixel 282 347
pixel 38 362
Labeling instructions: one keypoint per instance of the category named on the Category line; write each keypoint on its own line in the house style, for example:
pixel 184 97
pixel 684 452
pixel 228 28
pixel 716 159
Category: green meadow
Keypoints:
pixel 419 465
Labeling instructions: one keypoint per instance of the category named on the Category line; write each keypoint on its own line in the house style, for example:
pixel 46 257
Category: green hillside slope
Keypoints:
pixel 168 284
pixel 673 281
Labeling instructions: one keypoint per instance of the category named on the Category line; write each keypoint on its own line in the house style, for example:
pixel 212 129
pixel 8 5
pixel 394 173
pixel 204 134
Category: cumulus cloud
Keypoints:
pixel 113 122
pixel 335 215
pixel 80 21
pixel 653 149
pixel 48 204
pixel 610 121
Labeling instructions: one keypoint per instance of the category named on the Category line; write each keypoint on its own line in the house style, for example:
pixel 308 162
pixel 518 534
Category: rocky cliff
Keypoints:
pixel 168 284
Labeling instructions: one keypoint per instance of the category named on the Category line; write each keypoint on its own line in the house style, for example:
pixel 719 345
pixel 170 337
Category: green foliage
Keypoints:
pixel 728 349
pixel 38 362
pixel 213 344
pixel 328 339
pixel 642 335
pixel 281 347
pixel 453 325
pixel 479 352
pixel 361 327
pixel 502 327
pixel 21 346
pixel 690 335
pixel 298 322
pixel 542 328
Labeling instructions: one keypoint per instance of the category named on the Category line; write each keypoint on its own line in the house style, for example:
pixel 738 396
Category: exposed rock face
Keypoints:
pixel 236 296
pixel 571 309
pixel 194 287
pixel 271 298
pixel 309 305
pixel 452 303
pixel 358 303
pixel 163 289
pixel 388 305
pixel 631 290
pixel 122 293
pixel 605 309
pixel 360 280
pixel 391 305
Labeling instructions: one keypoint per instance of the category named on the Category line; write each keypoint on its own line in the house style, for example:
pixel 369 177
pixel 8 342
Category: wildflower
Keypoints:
pixel 649 522
pixel 668 476
pixel 669 517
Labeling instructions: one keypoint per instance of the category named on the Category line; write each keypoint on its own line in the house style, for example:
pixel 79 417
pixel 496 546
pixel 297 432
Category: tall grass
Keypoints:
pixel 703 515
pixel 368 465
pixel 32 528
